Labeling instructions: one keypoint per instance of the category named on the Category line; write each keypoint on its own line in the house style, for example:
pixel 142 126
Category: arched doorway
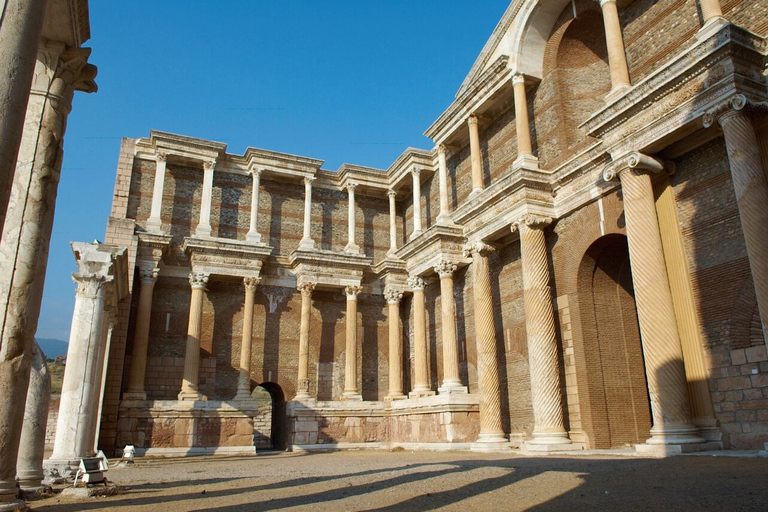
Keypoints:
pixel 270 424
pixel 614 403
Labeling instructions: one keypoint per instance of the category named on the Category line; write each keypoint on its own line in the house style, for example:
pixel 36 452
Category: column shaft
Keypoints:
pixel 351 390
pixel 655 310
pixel 32 446
pixel 20 30
pixel 189 385
pixel 351 247
pixel 710 9
pixel 392 223
pixel 204 225
pixel 302 386
pixel 154 221
pixel 617 59
pixel 751 188
pixel 522 122
pixel 540 329
pixel 420 361
pixel 476 156
pixel 395 346
pixel 416 203
pixel 244 379
pixel 307 243
pixel 135 390
pixel 491 429
pixel 451 381
pixel 253 231
pixel 444 217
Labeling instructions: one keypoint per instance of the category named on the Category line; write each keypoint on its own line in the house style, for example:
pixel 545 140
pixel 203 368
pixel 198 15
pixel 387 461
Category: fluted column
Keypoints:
pixel 20 28
pixel 302 384
pixel 189 384
pixel 451 381
pixel 393 298
pixel 415 172
pixel 476 156
pixel 617 59
pixel 306 241
pixel 491 429
pixel 154 221
pixel 135 390
pixel 444 217
pixel 392 223
pixel 253 230
pixel 351 247
pixel 665 373
pixel 751 188
pixel 351 390
pixel 204 224
pixel 540 329
pixel 244 379
pixel 420 362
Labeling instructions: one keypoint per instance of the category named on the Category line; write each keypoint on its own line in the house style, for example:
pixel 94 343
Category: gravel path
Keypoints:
pixel 402 481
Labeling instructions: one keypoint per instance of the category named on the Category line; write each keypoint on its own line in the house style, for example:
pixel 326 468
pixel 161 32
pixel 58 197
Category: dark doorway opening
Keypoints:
pixel 270 424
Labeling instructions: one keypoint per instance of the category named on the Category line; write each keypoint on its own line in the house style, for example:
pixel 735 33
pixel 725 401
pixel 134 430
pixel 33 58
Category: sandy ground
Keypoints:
pixel 402 481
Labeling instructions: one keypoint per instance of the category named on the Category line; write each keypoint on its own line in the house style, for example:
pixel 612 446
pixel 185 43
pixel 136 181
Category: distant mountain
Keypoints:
pixel 53 348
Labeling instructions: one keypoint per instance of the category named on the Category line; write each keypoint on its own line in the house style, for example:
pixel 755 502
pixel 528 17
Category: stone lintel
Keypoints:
pixel 152 247
pixel 328 269
pixel 222 257
pixel 436 244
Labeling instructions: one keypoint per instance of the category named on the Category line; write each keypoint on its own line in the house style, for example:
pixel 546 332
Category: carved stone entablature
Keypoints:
pixel 655 110
pixel 735 103
pixel 219 257
pixel 152 247
pixel 438 243
pixel 179 148
pixel 329 269
pixel 106 264
pixel 393 273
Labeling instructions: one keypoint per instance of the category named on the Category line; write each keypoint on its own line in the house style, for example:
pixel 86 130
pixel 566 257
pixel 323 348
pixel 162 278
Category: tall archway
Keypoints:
pixel 271 424
pixel 614 403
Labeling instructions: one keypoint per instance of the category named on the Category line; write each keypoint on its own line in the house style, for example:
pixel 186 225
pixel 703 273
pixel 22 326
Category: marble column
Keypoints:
pixel 491 428
pixel 395 392
pixel 154 221
pixel 102 358
pixel 710 10
pixel 307 243
pixel 73 438
pixel 302 385
pixel 204 224
pixel 525 157
pixel 253 231
pixel 27 229
pixel 20 29
pixel 189 382
pixel 617 59
pixel 351 390
pixel 148 277
pixel 420 353
pixel 451 380
pixel 352 247
pixel 415 172
pixel 392 223
pixel 32 446
pixel 543 360
pixel 244 379
pixel 444 217
pixel 665 372
pixel 751 188
pixel 476 156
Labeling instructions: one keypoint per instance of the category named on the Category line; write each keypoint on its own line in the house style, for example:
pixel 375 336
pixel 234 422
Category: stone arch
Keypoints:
pixel 613 392
pixel 273 414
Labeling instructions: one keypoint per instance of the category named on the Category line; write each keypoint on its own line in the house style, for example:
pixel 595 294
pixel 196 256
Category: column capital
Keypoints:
pixel 161 156
pixel 209 165
pixel 445 269
pixel 481 248
pixel 148 273
pixel 415 171
pixel 351 185
pixel 352 292
pixel 391 193
pixel 518 78
pixel 198 280
pixel 393 296
pixel 256 172
pixel 308 180
pixel 90 285
pixel 306 289
pixel 731 106
pixel 633 161
pixel 472 119
pixel 531 221
pixel 442 149
pixel 416 283
pixel 250 283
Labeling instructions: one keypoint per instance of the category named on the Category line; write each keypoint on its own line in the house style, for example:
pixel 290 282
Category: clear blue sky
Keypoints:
pixel 343 81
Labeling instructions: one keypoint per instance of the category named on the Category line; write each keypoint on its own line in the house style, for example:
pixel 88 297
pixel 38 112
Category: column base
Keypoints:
pixel 302 396
pixel 528 162
pixel 666 450
pixel 203 231
pixel 567 446
pixel 190 396
pixel 445 219
pixel 710 28
pixel 475 192
pixel 352 396
pixel 452 388
pixel 153 225
pixel 420 393
pixel 135 396
pixel 549 438
pixel 415 235
pixel 307 244
pixel 246 402
pixel 616 93
pixel 352 249
pixel 254 238
pixel 674 435
pixel 16 504
pixel 394 396
pixel 57 470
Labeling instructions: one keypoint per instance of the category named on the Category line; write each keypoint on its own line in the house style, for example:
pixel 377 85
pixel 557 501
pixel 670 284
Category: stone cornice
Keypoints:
pixel 328 269
pixel 436 244
pixel 225 257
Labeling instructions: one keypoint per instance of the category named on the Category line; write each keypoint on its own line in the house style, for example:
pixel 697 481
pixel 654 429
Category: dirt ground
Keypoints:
pixel 402 481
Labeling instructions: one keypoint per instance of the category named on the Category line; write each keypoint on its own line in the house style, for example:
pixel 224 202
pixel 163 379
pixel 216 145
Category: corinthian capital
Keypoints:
pixel 416 283
pixel 208 165
pixel 352 292
pixel 198 279
pixel 479 247
pixel 531 221
pixel 250 283
pixel 307 288
pixel 445 268
pixel 161 156
pixel 351 185
pixel 393 296
pixel 148 273
pixel 415 171
pixel 90 285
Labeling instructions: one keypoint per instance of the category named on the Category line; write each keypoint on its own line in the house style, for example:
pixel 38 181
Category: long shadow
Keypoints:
pixel 276 224
pixel 405 326
pixel 326 236
pixel 460 280
pixel 372 312
pixel 277 299
pixel 501 353
pixel 330 308
pixel 431 308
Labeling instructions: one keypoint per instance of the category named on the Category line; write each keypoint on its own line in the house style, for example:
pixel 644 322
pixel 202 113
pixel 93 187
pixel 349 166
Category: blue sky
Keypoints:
pixel 343 81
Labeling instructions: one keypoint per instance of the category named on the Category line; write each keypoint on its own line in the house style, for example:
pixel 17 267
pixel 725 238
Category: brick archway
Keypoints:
pixel 614 403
